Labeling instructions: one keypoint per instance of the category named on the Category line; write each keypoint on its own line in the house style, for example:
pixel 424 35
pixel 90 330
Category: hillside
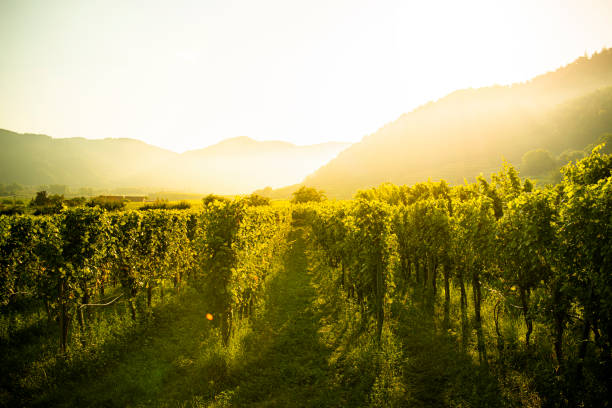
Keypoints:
pixel 38 159
pixel 234 166
pixel 471 130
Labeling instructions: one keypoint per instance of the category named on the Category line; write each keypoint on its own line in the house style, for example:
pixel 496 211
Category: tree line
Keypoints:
pixel 511 251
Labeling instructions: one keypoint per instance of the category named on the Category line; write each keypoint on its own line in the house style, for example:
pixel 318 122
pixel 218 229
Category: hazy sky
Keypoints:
pixel 187 74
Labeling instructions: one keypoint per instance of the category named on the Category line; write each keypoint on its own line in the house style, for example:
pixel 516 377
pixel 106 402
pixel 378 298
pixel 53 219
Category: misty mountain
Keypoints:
pixel 455 138
pixel 38 159
pixel 239 165
pixel 233 166
pixel 470 131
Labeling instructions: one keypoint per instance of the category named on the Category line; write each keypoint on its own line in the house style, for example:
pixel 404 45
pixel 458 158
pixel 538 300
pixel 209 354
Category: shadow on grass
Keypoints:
pixel 416 364
pixel 436 371
pixel 177 359
pixel 279 358
pixel 285 364
pixel 122 363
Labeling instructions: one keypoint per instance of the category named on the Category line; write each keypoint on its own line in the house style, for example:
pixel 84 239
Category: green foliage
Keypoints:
pixel 256 200
pixel 234 255
pixel 106 203
pixel 584 229
pixel 12 209
pixel 164 205
pixel 308 194
pixel 571 156
pixel 75 202
pixel 211 198
pixel 536 162
pixel 487 294
pixel 386 192
pixel 590 170
pixel 181 205
pixel 44 204
pixel 605 140
pixel 540 255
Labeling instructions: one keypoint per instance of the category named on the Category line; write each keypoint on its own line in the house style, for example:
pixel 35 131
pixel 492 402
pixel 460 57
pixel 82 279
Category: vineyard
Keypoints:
pixel 495 293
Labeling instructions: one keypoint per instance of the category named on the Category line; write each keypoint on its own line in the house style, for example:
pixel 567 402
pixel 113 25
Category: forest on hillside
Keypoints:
pixel 470 131
pixel 492 293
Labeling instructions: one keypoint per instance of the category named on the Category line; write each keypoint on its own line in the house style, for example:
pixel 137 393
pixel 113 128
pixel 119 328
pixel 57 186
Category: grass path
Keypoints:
pixel 174 358
pixel 177 359
pixel 286 363
pixel 276 359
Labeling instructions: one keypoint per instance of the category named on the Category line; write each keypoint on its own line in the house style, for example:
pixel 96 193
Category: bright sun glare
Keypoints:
pixel 190 74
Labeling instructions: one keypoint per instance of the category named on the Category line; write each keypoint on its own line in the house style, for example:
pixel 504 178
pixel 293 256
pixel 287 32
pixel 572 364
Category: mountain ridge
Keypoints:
pixel 470 130
pixel 456 137
pixel 35 159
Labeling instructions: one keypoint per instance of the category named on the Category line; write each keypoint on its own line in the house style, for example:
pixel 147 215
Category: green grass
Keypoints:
pixel 302 348
pixel 284 362
pixel 174 356
pixel 417 364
